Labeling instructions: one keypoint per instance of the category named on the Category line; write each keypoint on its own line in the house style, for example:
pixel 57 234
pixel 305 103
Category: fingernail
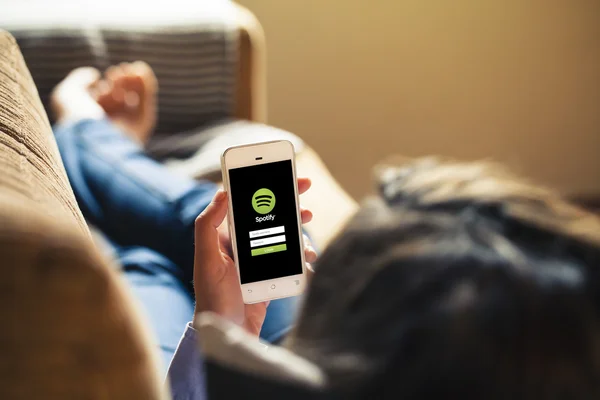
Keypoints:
pixel 220 195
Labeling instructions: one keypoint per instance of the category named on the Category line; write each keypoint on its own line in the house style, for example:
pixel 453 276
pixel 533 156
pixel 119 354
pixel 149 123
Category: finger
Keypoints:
pixel 144 70
pixel 112 73
pixel 224 239
pixel 103 95
pixel 103 88
pixel 206 233
pixel 310 255
pixel 303 185
pixel 305 215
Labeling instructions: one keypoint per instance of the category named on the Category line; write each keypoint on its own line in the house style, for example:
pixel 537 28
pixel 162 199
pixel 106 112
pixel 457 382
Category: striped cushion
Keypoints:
pixel 194 60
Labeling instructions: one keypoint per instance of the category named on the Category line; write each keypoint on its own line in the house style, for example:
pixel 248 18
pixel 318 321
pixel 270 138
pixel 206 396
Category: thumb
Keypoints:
pixel 206 233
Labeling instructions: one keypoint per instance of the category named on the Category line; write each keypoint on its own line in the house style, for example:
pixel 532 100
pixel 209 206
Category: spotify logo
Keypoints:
pixel 263 201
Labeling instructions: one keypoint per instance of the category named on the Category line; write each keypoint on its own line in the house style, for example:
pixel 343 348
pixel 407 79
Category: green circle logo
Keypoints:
pixel 263 201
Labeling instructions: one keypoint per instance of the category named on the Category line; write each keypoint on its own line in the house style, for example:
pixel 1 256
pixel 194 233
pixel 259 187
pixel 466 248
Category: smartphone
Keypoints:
pixel 264 220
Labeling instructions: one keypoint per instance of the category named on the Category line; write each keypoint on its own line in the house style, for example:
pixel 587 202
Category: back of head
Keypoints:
pixel 458 282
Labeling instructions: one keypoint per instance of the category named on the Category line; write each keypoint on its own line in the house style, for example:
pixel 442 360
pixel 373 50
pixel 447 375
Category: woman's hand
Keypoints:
pixel 216 282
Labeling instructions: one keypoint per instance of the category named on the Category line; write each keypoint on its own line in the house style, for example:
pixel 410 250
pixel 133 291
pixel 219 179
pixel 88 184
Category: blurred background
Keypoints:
pixel 517 81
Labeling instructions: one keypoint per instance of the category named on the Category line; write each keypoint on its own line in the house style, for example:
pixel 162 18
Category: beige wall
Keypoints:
pixel 515 80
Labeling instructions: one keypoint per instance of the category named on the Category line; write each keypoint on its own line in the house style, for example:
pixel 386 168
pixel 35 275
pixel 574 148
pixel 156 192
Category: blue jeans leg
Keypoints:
pixel 166 301
pixel 132 199
pixel 281 315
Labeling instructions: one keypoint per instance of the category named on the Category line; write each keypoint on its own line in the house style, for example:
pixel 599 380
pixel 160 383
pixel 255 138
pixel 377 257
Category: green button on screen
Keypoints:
pixel 268 250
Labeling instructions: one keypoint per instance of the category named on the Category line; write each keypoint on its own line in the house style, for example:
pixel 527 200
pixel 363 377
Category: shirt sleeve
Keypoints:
pixel 186 372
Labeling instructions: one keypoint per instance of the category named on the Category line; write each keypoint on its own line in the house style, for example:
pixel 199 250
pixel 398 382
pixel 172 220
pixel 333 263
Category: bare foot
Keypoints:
pixel 71 99
pixel 127 94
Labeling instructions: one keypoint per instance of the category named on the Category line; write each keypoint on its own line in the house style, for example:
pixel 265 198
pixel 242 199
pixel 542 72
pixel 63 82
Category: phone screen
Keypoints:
pixel 266 225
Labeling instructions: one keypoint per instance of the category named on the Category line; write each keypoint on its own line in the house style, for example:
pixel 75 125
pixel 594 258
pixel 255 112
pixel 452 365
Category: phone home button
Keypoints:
pixel 273 287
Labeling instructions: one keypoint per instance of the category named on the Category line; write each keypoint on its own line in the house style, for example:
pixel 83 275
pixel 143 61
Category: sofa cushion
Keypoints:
pixel 190 45
pixel 30 165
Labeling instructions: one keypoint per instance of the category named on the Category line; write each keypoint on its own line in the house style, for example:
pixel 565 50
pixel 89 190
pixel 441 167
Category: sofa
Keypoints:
pixel 71 328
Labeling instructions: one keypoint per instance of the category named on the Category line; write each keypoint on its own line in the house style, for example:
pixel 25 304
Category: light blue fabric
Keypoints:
pixel 186 372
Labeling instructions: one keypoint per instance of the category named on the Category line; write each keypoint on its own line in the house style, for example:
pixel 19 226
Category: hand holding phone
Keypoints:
pixel 216 280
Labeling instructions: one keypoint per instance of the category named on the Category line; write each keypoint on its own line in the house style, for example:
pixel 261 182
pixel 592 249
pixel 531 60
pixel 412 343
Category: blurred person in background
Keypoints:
pixel 458 281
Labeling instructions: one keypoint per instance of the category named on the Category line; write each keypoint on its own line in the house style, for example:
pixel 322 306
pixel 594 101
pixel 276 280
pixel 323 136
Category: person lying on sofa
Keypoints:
pixel 457 281
pixel 145 213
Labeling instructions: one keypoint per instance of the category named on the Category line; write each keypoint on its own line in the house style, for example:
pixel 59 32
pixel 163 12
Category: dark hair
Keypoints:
pixel 458 282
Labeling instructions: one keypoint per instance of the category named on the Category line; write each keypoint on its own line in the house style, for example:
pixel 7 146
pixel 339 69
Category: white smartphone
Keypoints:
pixel 264 220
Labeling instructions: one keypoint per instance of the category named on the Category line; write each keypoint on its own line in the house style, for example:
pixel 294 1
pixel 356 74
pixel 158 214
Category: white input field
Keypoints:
pixel 267 232
pixel 266 241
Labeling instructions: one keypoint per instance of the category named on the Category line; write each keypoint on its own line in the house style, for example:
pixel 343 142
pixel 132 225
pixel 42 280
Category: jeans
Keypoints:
pixel 147 213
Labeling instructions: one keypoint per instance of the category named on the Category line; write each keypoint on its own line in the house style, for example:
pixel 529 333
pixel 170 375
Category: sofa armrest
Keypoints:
pixel 30 164
pixel 70 328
